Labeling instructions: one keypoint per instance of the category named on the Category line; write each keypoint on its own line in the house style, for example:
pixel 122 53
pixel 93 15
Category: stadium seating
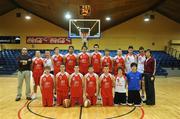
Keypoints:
pixel 8 64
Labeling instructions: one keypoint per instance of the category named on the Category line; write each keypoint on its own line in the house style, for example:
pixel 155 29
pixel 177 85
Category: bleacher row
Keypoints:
pixel 8 64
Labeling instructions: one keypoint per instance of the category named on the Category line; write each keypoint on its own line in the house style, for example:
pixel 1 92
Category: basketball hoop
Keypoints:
pixel 84 29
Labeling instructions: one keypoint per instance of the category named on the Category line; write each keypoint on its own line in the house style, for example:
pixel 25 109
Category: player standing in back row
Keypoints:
pixel 37 69
pixel 119 62
pixel 130 58
pixel 107 60
pixel 57 60
pixel 96 60
pixel 84 60
pixel 70 60
pixel 141 58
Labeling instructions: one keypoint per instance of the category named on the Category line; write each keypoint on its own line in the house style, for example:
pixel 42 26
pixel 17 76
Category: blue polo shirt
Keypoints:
pixel 133 79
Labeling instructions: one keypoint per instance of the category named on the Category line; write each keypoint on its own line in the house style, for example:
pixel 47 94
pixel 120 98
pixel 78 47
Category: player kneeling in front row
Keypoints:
pixel 47 87
pixel 134 82
pixel 106 85
pixel 62 85
pixel 91 85
pixel 76 87
pixel 120 88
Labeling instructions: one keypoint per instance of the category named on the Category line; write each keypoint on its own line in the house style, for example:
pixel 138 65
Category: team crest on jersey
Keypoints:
pixel 94 56
pixel 55 58
pixel 44 79
pixel 68 58
pixel 88 78
pixel 60 77
pixel 62 82
pixel 117 60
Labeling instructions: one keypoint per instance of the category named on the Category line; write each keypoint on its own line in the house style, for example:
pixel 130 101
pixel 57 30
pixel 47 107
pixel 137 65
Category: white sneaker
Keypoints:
pixel 138 105
pixel 123 104
pixel 116 105
pixel 143 98
pixel 34 96
pixel 129 104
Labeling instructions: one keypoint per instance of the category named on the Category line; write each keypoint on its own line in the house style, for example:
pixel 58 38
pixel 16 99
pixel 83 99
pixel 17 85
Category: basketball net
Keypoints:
pixel 84 36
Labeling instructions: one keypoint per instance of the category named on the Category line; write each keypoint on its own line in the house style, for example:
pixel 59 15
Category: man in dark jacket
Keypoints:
pixel 24 61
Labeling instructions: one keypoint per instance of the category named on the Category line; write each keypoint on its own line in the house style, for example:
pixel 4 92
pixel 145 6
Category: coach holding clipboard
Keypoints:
pixel 24 61
pixel 149 72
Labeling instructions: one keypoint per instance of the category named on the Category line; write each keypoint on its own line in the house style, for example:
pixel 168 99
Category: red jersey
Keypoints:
pixel 119 62
pixel 57 60
pixel 84 62
pixel 76 85
pixel 107 60
pixel 38 64
pixel 91 83
pixel 106 85
pixel 62 82
pixel 47 84
pixel 96 61
pixel 70 62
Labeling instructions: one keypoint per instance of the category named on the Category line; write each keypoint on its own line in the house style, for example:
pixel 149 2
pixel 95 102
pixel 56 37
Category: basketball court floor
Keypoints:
pixel 167 105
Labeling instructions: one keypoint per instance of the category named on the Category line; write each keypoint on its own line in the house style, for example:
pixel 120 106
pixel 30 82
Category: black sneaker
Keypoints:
pixel 17 99
pixel 28 98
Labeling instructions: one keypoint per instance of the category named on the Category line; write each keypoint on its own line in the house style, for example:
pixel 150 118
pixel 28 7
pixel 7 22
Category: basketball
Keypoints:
pixel 87 103
pixel 66 103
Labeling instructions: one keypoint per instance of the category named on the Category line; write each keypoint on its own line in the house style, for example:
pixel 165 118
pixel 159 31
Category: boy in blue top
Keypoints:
pixel 134 85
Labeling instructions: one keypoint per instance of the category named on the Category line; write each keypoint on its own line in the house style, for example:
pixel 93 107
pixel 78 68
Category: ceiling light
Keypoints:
pixel 27 17
pixel 68 16
pixel 146 19
pixel 108 18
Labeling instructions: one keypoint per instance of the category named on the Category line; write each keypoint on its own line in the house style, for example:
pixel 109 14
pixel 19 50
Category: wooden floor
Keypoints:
pixel 167 104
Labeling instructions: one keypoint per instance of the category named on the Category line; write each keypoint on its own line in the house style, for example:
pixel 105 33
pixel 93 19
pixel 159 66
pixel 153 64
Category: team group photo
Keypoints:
pixel 84 59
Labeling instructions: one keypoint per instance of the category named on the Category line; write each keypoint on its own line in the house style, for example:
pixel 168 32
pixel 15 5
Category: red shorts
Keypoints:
pixel 37 76
pixel 107 101
pixel 93 99
pixel 75 100
pixel 61 96
pixel 47 99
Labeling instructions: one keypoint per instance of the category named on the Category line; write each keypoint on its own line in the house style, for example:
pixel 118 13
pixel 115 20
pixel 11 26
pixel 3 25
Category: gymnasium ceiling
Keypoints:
pixel 119 10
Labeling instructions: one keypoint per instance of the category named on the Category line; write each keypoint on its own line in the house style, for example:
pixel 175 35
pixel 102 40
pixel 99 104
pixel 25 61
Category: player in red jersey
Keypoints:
pixel 119 61
pixel 76 84
pixel 70 60
pixel 47 87
pixel 57 60
pixel 91 85
pixel 107 60
pixel 96 59
pixel 62 85
pixel 37 70
pixel 84 60
pixel 106 85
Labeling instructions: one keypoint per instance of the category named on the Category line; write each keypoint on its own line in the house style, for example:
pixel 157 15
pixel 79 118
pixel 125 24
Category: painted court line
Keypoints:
pixel 28 107
pixel 19 111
